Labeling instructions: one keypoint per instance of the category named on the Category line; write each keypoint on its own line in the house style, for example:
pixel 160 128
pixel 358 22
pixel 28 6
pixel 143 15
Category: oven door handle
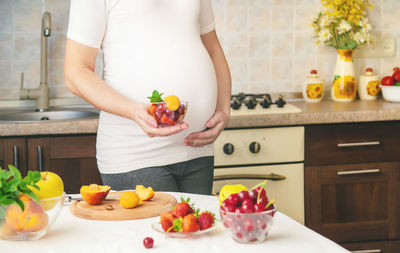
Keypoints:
pixel 271 176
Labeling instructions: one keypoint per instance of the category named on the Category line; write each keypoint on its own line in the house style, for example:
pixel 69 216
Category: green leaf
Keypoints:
pixel 32 195
pixel 156 97
pixel 20 204
pixel 15 172
pixel 2 212
pixel 6 201
pixel 13 184
pixel 336 77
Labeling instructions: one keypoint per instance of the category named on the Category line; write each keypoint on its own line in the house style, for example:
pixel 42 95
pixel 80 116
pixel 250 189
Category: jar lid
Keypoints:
pixel 313 73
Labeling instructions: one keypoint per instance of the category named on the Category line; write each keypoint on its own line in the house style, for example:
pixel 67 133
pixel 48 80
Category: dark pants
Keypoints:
pixel 194 176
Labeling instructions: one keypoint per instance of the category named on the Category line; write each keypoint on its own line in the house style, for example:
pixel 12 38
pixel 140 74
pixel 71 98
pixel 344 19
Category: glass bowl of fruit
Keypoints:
pixel 31 223
pixel 390 86
pixel 168 111
pixel 248 215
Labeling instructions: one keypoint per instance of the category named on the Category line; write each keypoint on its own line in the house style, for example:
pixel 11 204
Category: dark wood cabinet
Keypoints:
pixel 390 246
pixel 13 152
pixel 73 158
pixel 352 181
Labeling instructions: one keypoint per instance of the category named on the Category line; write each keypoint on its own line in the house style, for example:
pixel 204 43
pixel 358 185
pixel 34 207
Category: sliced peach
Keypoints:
pixel 94 194
pixel 32 219
pixel 144 193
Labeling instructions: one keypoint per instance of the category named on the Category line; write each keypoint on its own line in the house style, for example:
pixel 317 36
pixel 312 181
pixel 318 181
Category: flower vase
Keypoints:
pixel 344 88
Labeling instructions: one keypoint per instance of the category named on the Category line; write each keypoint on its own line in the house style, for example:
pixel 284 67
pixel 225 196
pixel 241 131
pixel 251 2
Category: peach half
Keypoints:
pixel 144 193
pixel 94 194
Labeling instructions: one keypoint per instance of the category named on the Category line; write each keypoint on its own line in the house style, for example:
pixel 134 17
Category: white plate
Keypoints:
pixel 157 227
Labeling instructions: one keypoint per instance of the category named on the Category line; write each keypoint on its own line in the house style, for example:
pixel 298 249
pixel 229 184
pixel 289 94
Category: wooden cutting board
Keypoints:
pixel 161 202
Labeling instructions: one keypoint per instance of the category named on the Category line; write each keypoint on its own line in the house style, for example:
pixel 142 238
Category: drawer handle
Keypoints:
pixel 359 144
pixel 15 156
pixel 271 176
pixel 39 158
pixel 355 172
pixel 367 251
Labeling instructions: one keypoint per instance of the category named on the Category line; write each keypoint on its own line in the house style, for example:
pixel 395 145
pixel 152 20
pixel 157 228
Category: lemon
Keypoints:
pixel 129 199
pixel 172 102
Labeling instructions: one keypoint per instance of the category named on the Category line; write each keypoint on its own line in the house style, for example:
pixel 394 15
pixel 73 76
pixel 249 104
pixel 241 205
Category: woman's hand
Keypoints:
pixel 149 124
pixel 215 125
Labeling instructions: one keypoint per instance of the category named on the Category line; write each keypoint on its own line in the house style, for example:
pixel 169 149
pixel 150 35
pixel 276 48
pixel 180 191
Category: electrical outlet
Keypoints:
pixel 379 47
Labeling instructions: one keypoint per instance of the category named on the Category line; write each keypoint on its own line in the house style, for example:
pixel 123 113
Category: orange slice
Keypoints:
pixel 172 102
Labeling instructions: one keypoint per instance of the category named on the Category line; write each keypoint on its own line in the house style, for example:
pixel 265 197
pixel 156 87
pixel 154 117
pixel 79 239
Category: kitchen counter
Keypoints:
pixel 325 112
pixel 71 234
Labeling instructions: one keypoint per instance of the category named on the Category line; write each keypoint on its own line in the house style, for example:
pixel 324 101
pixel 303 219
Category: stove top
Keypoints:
pixel 258 104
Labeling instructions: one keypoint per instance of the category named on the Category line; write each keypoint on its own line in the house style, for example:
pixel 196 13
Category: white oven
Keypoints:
pixel 249 156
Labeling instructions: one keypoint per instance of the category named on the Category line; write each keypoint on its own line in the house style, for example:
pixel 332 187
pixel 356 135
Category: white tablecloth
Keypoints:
pixel 72 234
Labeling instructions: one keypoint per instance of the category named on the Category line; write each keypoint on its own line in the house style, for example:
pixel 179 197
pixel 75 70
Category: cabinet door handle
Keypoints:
pixel 15 156
pixel 359 144
pixel 355 172
pixel 39 158
pixel 271 176
pixel 367 251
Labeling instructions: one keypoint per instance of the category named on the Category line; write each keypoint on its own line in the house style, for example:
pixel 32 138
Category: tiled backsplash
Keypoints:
pixel 268 43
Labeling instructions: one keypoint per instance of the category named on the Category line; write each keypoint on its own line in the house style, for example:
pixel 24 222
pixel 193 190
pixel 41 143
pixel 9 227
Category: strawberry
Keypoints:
pixel 190 223
pixel 166 220
pixel 206 220
pixel 165 119
pixel 182 209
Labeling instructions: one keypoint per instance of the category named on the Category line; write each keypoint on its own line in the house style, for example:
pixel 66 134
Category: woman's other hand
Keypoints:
pixel 149 124
pixel 215 125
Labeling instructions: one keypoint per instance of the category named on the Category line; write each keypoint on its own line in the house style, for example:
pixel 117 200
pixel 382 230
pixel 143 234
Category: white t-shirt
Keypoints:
pixel 149 45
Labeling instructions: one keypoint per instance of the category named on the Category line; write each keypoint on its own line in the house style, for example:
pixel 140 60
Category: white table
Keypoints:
pixel 71 234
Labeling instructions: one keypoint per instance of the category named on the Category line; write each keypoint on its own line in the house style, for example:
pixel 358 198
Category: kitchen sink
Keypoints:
pixel 32 116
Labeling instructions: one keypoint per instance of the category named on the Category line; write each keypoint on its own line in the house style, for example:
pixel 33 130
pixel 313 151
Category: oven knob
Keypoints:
pixel 254 147
pixel 228 148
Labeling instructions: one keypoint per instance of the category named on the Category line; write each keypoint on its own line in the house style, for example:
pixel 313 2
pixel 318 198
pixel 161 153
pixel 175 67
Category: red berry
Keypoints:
pixel 253 195
pixel 160 108
pixel 258 208
pixel 263 200
pixel 230 208
pixel 396 69
pixel 234 199
pixel 181 110
pixel 263 193
pixel 396 75
pixel 148 242
pixel 243 195
pixel 248 225
pixel 247 206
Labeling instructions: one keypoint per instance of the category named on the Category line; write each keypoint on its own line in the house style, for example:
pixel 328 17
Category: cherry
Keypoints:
pixel 263 200
pixel 239 229
pixel 148 242
pixel 234 199
pixel 271 207
pixel 253 195
pixel 243 195
pixel 247 206
pixel 238 212
pixel 263 193
pixel 160 108
pixel 230 208
pixel 158 114
pixel 258 208
pixel 248 225
pixel 228 221
pixel 181 109
pixel 261 224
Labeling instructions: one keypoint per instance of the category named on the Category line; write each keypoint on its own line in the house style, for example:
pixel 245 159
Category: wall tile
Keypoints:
pixel 235 45
pixel 259 70
pixel 5 77
pixel 6 46
pixel 304 44
pixel 303 18
pixel 27 46
pixel 6 24
pixel 56 46
pixel 259 19
pixel 282 68
pixel 282 19
pixel 259 45
pixel 282 44
pixel 27 15
pixel 236 19
pixel 302 67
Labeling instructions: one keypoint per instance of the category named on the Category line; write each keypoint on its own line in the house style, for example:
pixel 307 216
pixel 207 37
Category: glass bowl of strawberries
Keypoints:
pixel 248 215
pixel 168 111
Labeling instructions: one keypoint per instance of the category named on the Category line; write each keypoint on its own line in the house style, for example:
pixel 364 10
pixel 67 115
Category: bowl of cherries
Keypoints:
pixel 168 111
pixel 248 215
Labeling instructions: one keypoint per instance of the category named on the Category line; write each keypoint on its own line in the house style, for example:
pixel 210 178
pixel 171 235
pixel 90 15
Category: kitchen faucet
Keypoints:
pixel 41 94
